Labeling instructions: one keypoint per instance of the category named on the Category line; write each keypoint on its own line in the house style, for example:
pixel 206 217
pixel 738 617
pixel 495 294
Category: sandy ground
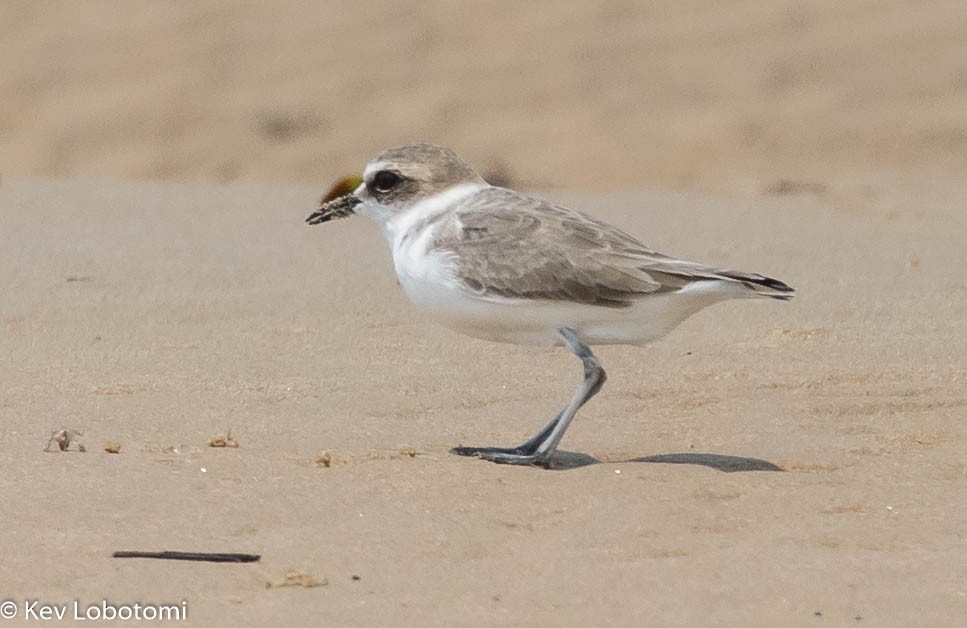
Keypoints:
pixel 159 315
pixel 688 94
pixel 160 288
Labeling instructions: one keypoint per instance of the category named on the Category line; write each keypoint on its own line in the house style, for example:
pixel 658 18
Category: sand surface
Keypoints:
pixel 160 288
pixel 688 94
pixel 159 315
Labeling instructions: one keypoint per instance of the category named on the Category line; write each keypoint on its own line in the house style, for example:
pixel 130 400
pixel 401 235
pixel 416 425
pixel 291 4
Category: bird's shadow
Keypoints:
pixel 564 460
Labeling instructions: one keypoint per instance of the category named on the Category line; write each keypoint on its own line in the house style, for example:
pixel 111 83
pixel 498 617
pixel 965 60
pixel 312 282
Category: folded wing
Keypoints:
pixel 511 245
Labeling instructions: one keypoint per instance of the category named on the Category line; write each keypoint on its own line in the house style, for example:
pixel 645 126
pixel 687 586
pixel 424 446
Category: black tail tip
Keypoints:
pixel 778 286
pixel 763 285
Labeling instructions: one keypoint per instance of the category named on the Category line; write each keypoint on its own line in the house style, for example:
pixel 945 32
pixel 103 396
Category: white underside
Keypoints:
pixel 536 322
pixel 429 280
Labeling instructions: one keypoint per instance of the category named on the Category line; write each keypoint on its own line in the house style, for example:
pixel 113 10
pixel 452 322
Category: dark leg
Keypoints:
pixel 539 449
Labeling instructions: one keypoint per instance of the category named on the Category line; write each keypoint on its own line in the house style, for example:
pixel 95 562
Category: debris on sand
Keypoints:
pixel 296 578
pixel 223 441
pixel 63 439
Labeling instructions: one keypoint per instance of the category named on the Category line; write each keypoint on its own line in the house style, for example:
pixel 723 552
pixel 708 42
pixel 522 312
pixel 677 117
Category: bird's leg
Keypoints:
pixel 539 449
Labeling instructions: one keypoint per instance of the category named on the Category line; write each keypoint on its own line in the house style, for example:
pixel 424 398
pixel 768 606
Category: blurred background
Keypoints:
pixel 727 96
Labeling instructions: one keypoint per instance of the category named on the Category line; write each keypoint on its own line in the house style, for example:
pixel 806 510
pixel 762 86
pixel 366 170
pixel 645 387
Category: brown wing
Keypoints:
pixel 512 245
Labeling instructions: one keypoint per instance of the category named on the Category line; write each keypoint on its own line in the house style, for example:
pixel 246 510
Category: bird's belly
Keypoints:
pixel 447 303
pixel 535 322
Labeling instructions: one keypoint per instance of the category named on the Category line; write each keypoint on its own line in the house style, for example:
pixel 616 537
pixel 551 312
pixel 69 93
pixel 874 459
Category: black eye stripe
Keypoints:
pixel 385 180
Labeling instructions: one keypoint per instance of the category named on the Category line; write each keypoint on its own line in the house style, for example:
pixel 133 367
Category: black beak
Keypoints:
pixel 337 208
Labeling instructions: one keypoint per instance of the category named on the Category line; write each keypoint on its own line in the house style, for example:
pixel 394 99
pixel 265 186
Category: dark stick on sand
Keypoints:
pixel 200 556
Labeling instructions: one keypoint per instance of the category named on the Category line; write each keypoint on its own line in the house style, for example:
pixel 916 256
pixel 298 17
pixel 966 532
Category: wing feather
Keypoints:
pixel 507 244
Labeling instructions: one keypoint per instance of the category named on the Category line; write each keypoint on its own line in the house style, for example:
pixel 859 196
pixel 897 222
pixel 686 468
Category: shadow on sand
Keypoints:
pixel 564 460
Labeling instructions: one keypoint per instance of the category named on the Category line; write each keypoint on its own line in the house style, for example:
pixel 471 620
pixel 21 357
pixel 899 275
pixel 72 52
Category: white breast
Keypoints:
pixel 426 275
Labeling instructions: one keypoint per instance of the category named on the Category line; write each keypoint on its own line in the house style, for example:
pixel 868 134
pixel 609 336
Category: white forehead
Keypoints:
pixel 373 167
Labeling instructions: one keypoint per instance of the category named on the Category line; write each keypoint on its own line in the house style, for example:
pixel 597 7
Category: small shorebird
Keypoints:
pixel 497 264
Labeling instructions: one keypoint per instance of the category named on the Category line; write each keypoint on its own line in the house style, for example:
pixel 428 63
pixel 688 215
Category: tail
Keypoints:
pixel 764 286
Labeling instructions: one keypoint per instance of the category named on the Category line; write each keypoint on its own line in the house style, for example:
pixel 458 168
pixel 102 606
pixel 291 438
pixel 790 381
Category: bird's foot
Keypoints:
pixel 515 455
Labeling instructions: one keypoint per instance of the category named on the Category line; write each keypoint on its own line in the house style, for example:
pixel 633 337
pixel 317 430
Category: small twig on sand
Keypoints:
pixel 199 556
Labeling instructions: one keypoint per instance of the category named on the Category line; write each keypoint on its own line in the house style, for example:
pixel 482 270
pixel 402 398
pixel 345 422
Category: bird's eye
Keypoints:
pixel 384 181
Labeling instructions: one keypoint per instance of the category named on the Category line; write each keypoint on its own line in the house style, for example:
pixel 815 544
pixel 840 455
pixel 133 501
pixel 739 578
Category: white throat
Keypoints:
pixel 426 275
pixel 396 223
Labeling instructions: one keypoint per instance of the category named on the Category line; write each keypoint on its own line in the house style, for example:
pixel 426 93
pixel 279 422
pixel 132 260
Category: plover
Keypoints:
pixel 501 265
